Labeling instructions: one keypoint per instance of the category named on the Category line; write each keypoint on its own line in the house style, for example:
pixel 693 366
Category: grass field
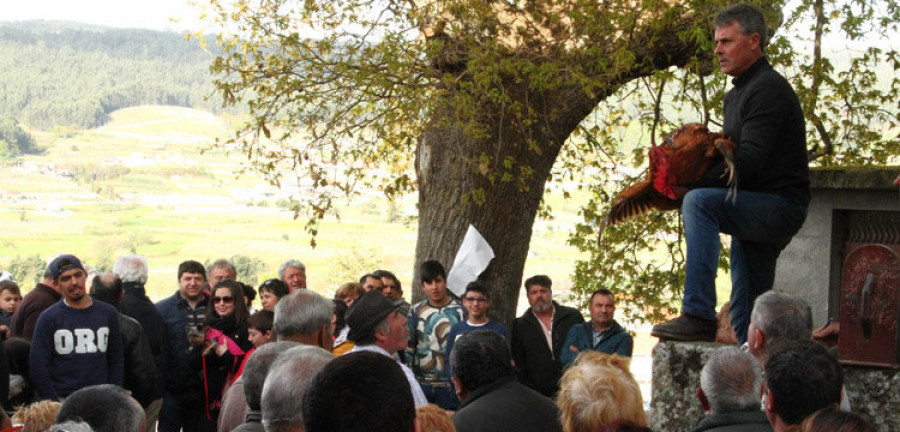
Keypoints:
pixel 151 190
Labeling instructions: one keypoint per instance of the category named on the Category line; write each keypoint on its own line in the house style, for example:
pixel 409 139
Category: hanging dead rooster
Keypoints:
pixel 675 166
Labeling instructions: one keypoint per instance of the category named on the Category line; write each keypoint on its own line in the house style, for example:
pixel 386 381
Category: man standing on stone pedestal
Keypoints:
pixel 762 115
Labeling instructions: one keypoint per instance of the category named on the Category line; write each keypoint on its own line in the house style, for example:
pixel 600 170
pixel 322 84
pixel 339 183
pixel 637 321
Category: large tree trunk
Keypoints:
pixel 450 178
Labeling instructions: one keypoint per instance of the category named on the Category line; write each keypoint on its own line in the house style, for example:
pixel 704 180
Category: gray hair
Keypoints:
pixel 131 268
pixel 301 312
pixel 285 386
pixel 257 368
pixel 781 316
pixel 731 380
pixel 290 263
pixel 71 426
pixel 749 17
pixel 106 407
pixel 221 263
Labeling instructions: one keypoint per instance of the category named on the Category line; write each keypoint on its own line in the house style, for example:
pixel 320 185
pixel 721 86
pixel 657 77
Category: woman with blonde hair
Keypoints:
pixel 432 418
pixel 596 390
pixel 347 293
pixel 36 417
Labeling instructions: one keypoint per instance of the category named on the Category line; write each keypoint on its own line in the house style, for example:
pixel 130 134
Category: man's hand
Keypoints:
pixel 573 349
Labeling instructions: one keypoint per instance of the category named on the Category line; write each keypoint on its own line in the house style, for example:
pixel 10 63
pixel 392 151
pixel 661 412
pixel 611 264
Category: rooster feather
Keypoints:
pixel 675 166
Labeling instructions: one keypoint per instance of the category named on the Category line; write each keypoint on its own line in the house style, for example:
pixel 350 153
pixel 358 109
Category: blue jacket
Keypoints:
pixel 464 327
pixel 615 340
pixel 180 378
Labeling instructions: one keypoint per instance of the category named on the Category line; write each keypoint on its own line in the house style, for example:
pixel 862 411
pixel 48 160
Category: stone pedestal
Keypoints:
pixel 676 377
pixel 674 407
pixel 875 393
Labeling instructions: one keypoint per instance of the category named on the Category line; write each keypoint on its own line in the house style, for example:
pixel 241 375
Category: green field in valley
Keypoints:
pixel 142 183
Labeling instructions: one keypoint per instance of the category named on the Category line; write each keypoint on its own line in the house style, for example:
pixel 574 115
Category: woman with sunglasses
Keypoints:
pixel 225 344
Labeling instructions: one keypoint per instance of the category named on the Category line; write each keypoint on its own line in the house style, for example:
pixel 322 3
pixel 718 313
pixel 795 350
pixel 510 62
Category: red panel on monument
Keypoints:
pixel 870 305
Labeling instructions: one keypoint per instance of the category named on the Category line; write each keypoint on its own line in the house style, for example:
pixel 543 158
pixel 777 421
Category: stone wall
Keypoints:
pixel 676 376
pixel 874 393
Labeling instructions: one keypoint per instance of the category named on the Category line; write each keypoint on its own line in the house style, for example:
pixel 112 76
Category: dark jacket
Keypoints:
pixel 180 377
pixel 35 302
pixel 614 340
pixel 507 405
pixel 140 372
pixel 536 364
pixel 137 305
pixel 750 421
pixel 218 372
pixel 764 118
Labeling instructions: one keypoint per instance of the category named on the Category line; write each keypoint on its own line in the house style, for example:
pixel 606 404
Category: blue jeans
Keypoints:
pixel 760 225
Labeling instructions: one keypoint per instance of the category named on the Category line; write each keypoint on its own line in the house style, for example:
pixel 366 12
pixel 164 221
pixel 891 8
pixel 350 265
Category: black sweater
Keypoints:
pixel 764 118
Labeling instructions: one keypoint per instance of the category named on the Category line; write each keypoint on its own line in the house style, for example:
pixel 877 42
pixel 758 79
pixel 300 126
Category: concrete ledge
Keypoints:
pixel 874 393
pixel 867 178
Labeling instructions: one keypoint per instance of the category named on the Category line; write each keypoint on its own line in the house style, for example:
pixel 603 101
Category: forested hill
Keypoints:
pixel 59 73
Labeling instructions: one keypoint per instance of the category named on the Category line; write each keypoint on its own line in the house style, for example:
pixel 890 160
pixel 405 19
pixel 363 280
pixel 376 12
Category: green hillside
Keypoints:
pixel 62 74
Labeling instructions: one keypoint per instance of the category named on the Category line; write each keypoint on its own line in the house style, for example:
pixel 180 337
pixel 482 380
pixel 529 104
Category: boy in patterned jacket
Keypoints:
pixel 429 325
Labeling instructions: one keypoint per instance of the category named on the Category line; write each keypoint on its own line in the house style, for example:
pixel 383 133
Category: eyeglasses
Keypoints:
pixel 226 300
pixel 477 300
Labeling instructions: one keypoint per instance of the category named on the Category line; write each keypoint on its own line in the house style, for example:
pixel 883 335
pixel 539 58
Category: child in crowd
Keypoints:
pixel 9 301
pixel 259 327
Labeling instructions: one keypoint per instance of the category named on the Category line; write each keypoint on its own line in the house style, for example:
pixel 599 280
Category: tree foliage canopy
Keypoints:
pixel 346 93
pixel 14 140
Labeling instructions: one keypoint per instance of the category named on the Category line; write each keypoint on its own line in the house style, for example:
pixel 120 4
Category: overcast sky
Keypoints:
pixel 150 14
pixel 158 15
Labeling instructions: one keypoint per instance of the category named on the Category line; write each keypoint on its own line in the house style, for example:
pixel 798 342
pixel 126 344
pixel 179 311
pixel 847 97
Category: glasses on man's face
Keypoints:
pixel 226 300
pixel 477 299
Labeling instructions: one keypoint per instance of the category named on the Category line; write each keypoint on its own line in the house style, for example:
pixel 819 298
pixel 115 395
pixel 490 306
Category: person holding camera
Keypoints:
pixel 183 314
pixel 219 351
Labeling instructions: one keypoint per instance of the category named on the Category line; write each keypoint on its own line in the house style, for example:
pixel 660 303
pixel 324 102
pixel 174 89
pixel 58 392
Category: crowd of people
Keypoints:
pixel 103 357
pixel 94 353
